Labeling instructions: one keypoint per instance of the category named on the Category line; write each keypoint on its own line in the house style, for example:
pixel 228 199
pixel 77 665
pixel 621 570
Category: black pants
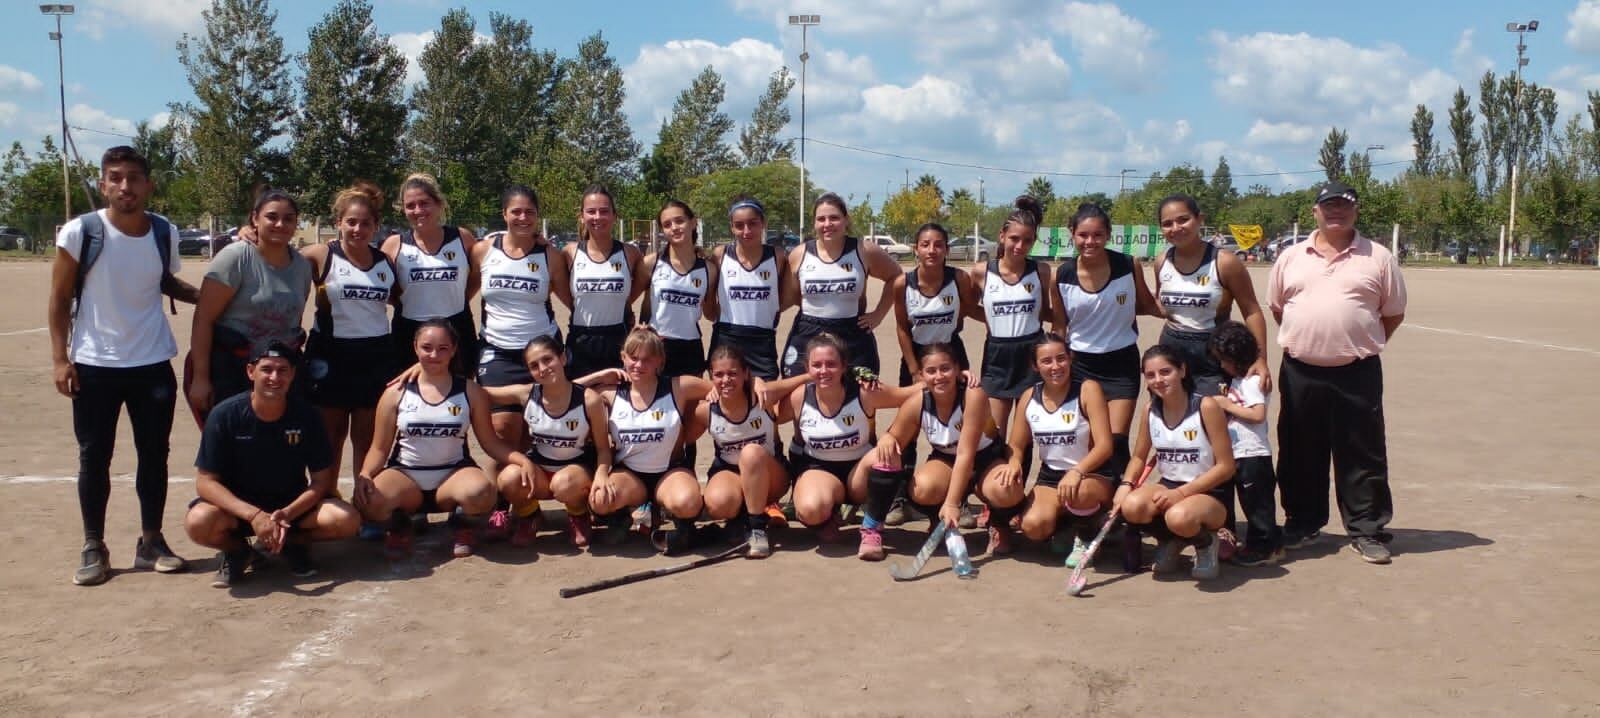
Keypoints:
pixel 1337 412
pixel 150 392
pixel 1254 482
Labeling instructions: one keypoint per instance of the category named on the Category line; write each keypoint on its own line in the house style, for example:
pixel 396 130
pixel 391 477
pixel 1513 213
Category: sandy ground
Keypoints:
pixel 1488 608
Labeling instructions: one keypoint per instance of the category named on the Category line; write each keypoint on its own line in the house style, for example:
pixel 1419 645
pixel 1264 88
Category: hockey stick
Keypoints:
pixel 903 572
pixel 1080 578
pixel 638 576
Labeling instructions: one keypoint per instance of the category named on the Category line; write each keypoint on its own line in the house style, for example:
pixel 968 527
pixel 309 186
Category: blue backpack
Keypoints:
pixel 94 240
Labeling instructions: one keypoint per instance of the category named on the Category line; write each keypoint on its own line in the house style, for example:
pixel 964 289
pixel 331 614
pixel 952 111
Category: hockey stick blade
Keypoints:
pixel 902 572
pixel 646 575
pixel 1080 574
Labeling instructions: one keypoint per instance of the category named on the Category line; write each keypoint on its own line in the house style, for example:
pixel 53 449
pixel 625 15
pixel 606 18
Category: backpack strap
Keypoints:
pixel 93 231
pixel 161 230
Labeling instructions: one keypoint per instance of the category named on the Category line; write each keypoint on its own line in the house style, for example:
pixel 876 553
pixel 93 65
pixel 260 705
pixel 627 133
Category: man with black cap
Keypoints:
pixel 255 451
pixel 1337 298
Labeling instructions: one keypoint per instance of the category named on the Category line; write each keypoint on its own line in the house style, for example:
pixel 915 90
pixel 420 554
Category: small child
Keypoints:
pixel 1236 350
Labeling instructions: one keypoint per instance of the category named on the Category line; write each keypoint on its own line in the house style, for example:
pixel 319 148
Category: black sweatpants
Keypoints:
pixel 1333 412
pixel 150 393
pixel 1254 483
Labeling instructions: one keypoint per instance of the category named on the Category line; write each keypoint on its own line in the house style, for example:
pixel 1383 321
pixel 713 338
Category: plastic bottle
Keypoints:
pixel 956 546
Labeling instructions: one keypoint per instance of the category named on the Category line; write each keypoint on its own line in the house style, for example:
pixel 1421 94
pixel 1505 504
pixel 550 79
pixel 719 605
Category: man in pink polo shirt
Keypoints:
pixel 1337 298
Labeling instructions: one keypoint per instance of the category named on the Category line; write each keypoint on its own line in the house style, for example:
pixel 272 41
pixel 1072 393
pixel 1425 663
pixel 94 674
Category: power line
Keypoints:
pixel 103 132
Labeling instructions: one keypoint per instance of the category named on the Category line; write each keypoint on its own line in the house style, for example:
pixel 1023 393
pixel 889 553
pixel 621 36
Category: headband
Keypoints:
pixel 748 204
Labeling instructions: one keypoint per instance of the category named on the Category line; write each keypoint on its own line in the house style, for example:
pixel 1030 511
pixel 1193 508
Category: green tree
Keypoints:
pixel 1041 189
pixel 30 191
pixel 775 184
pixel 907 210
pixel 930 182
pixel 758 141
pixel 1462 136
pixel 964 212
pixel 1423 146
pixel 1332 156
pixel 692 138
pixel 594 129
pixel 176 195
pixel 1220 195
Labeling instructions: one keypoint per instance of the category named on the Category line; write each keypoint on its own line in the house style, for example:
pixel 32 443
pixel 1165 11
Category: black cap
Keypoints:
pixel 1335 190
pixel 276 349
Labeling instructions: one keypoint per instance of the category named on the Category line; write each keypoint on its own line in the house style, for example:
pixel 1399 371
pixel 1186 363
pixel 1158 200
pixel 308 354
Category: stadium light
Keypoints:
pixel 61 87
pixel 805 22
pixel 1516 114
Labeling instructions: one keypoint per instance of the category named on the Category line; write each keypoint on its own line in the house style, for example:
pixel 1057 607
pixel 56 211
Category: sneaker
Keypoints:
pixel 1132 549
pixel 983 518
pixel 580 531
pixel 1079 550
pixel 644 518
pixel 230 568
pixel 465 538
pixel 829 531
pixel 157 555
pixel 499 527
pixel 759 547
pixel 1167 551
pixel 1205 560
pixel 968 520
pixel 298 556
pixel 396 545
pixel 1370 549
pixel 1230 544
pixel 1000 541
pixel 871 548
pixel 775 516
pixel 96 566
pixel 1250 555
pixel 524 530
pixel 898 512
pixel 1296 539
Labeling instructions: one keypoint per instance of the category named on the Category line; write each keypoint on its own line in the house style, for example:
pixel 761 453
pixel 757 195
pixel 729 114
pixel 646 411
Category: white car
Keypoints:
pixel 895 248
pixel 972 249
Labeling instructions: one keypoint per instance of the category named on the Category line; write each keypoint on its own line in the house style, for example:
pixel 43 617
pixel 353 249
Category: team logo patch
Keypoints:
pixel 1027 287
pixel 1203 280
pixel 1122 297
pixel 291 437
pixel 616 266
pixel 949 300
pixel 344 271
pixel 848 267
pixel 382 277
pixel 765 275
pixel 1068 417
pixel 696 282
pixel 533 266
pixel 572 424
pixel 657 414
pixel 755 423
pixel 957 427
pixel 1190 434
pixel 450 255
pixel 849 421
pixel 455 410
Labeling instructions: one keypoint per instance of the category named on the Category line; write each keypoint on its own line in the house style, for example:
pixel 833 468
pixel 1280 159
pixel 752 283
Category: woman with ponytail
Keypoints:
pixel 753 281
pixel 437 275
pixel 1014 306
pixel 829 282
pixel 604 286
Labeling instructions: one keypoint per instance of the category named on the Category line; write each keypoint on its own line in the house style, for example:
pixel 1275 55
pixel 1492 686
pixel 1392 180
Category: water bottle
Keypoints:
pixel 956 546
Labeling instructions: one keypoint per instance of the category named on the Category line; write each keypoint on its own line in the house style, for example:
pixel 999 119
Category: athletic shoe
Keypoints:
pixel 829 532
pixel 1370 549
pixel 1253 556
pixel 1230 544
pixel 1079 550
pixel 1205 560
pixel 759 547
pixel 370 531
pixel 580 530
pixel 96 566
pixel 157 555
pixel 775 516
pixel 396 545
pixel 1295 539
pixel 968 520
pixel 1167 551
pixel 230 568
pixel 298 556
pixel 524 530
pixel 499 528
pixel 871 548
pixel 644 520
pixel 898 514
pixel 1000 541
pixel 465 539
pixel 983 518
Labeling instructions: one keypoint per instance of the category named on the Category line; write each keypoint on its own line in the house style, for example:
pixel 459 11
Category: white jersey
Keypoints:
pixel 944 435
pixel 832 290
pixel 353 303
pixel 556 437
pixel 730 436
pixel 934 318
pixel 516 295
pixel 1248 439
pixel 1183 452
pixel 600 289
pixel 1012 309
pixel 1191 300
pixel 840 437
pixel 1062 435
pixel 645 438
pixel 431 436
pixel 1101 321
pixel 749 297
pixel 675 298
pixel 433 285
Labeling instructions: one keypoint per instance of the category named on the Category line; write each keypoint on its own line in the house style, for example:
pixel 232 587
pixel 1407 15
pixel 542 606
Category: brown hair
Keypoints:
pixel 594 189
pixel 362 192
pixel 429 186
pixel 644 341
pixel 1028 213
pixel 833 199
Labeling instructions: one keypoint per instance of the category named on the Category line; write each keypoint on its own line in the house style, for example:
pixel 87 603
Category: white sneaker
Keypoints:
pixel 1206 565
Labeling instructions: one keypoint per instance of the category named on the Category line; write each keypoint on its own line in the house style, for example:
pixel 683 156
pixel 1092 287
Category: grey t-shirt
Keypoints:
pixel 267 302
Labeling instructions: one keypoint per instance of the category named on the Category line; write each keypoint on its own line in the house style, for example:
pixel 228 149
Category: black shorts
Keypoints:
pixel 1117 371
pixel 403 334
pixel 502 367
pixel 1195 348
pixel 347 373
pixel 759 346
pixel 588 459
pixel 590 349
pixel 859 346
pixel 1051 478
pixel 987 457
pixel 841 470
pixel 718 466
pixel 1008 366
pixel 1223 494
pixel 955 342
pixel 685 357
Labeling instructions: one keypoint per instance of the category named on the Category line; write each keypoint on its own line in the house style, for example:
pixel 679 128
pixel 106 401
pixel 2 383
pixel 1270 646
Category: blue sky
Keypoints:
pixel 1081 88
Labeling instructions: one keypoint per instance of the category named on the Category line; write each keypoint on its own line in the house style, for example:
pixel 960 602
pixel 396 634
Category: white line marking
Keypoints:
pixel 30 479
pixel 34 330
pixel 321 645
pixel 1512 340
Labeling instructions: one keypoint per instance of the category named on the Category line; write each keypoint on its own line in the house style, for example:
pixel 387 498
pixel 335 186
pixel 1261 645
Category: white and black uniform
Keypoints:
pixel 559 440
pixel 944 435
pixel 934 319
pixel 729 436
pixel 348 355
pixel 748 304
pixel 1013 311
pixel 434 286
pixel 1191 301
pixel 675 308
pixel 832 299
pixel 431 439
pixel 515 301
pixel 600 311
pixel 1183 452
pixel 1101 326
pixel 831 443
pixel 646 440
pixel 1061 435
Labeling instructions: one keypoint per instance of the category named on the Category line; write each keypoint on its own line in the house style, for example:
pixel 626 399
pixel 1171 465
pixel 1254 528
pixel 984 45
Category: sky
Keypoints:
pixel 998 90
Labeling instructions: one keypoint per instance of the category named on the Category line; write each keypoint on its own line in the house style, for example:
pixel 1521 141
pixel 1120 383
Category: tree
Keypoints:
pixel 30 191
pixel 239 74
pixel 1041 189
pixel 863 216
pixel 931 182
pixel 1332 157
pixel 775 185
pixel 594 129
pixel 691 140
pixel 353 107
pixel 444 125
pixel 909 209
pixel 758 141
pixel 1360 168
pixel 176 194
pixel 963 212
pixel 1221 194
pixel 1423 147
pixel 1461 134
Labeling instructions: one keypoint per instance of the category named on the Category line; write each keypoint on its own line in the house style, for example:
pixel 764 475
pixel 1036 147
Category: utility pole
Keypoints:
pixel 1122 182
pixel 805 22
pixel 1516 114
pixel 61 82
pixel 907 185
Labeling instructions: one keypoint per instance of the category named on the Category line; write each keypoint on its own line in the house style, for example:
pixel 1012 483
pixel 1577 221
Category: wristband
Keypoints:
pixel 1127 483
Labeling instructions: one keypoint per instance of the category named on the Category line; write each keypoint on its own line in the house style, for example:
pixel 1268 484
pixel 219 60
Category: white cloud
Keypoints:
pixel 1279 133
pixel 411 45
pixel 1583 31
pixel 14 80
pixel 169 18
pixel 1109 42
pixel 654 79
pixel 929 99
pixel 8 112
pixel 1465 58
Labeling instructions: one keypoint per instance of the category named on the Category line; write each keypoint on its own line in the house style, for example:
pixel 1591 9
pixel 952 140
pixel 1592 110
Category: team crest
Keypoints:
pixel 957 427
pixel 849 421
pixel 383 277
pixel 765 275
pixel 572 424
pixel 657 414
pixel 1122 297
pixel 949 300
pixel 755 423
pixel 696 282
pixel 291 437
pixel 616 266
pixel 455 410
pixel 450 255
pixel 848 267
pixel 1068 417
pixel 533 266
pixel 1203 280
pixel 1027 287
pixel 1190 434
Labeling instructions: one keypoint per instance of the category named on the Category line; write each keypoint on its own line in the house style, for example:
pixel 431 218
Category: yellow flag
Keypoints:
pixel 1247 235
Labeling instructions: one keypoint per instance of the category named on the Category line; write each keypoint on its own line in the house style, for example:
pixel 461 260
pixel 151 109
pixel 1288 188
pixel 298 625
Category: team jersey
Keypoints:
pixel 1248 439
pixel 1062 434
pixel 840 437
pixel 556 438
pixel 730 436
pixel 431 436
pixel 832 290
pixel 516 295
pixel 749 297
pixel 600 289
pixel 936 318
pixel 1104 320
pixel 675 299
pixel 1012 309
pixel 353 303
pixel 645 439
pixel 1183 452
pixel 433 285
pixel 1191 300
pixel 945 434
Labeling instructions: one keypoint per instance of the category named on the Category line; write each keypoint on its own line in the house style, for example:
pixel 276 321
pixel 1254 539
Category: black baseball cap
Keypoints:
pixel 1335 190
pixel 276 349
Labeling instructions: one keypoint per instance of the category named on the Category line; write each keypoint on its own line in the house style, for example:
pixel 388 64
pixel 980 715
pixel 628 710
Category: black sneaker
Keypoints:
pixel 1252 555
pixel 230 568
pixel 96 566
pixel 298 556
pixel 1370 549
pixel 1296 539
pixel 157 555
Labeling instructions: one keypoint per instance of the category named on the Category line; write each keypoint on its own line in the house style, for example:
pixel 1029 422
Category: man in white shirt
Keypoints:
pixel 117 349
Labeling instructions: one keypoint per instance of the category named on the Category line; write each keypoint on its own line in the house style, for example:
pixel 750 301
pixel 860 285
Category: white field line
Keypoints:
pixel 318 647
pixel 33 479
pixel 1510 340
pixel 34 330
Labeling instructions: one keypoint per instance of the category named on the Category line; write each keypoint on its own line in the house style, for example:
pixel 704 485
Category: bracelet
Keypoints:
pixel 253 516
pixel 1127 483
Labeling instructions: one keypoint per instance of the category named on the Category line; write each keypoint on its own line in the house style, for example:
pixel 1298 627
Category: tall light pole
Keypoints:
pixel 61 82
pixel 1122 182
pixel 1516 118
pixel 805 22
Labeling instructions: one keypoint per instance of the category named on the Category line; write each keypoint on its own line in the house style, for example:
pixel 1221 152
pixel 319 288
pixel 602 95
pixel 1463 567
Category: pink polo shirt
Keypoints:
pixel 1332 305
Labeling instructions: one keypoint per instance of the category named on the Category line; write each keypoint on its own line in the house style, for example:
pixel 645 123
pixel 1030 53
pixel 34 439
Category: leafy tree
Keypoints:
pixel 1041 189
pixel 30 191
pixel 963 212
pixel 1332 156
pixel 907 210
pixel 775 184
pixel 592 124
pixel 690 143
pixel 758 141
pixel 1221 194
pixel 1461 134
pixel 931 182
pixel 1423 147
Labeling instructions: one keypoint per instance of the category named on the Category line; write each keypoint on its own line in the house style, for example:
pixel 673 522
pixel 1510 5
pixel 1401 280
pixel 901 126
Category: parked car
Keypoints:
pixel 1226 243
pixel 223 239
pixel 895 248
pixel 783 241
pixel 972 249
pixel 562 239
pixel 14 238
pixel 193 242
pixel 1276 246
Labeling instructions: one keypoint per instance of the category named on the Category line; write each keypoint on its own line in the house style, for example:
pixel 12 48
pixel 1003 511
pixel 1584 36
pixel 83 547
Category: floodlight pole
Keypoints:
pixel 805 22
pixel 61 86
pixel 1516 119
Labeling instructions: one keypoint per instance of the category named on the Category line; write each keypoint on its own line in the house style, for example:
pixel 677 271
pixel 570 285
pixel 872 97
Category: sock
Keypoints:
pixel 882 486
pixel 757 522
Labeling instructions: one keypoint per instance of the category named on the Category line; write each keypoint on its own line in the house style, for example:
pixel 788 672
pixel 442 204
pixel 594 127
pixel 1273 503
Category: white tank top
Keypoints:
pixel 832 290
pixel 600 289
pixel 1183 452
pixel 431 436
pixel 356 299
pixel 937 318
pixel 516 295
pixel 675 299
pixel 433 285
pixel 749 297
pixel 1191 300
pixel 1012 309
pixel 1102 321
pixel 945 436
pixel 556 438
pixel 1061 435
pixel 841 437
pixel 645 439
pixel 730 437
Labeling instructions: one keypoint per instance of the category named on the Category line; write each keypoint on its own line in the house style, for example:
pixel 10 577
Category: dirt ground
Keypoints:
pixel 1488 608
